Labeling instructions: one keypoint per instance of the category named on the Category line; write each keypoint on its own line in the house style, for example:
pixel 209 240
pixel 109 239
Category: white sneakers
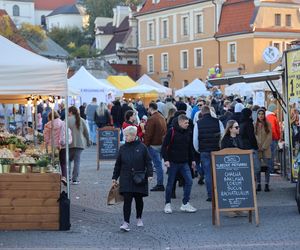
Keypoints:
pixel 125 227
pixel 184 208
pixel 140 223
pixel 188 208
pixel 168 208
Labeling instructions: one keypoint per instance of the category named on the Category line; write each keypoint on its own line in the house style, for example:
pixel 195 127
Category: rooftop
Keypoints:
pixel 52 4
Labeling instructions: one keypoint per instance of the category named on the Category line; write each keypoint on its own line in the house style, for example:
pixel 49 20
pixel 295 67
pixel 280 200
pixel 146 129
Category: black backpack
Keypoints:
pixel 64 212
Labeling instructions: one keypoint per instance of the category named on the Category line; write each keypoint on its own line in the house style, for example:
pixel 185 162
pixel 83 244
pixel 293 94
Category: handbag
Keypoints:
pixel 139 177
pixel 114 197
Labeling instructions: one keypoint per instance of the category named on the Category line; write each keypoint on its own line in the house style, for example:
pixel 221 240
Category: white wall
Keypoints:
pixel 102 41
pixel 38 15
pixel 64 21
pixel 26 11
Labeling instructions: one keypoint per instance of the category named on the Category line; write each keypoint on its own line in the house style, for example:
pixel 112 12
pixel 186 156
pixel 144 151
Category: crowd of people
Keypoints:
pixel 176 137
pixel 180 136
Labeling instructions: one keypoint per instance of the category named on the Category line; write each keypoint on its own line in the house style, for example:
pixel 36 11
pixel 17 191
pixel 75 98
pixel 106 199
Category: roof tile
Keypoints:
pixel 52 4
pixel 165 4
pixel 236 17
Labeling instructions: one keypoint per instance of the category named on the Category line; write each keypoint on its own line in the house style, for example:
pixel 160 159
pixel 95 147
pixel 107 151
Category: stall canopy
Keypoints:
pixel 271 79
pixel 142 89
pixel 145 79
pixel 195 88
pixel 122 82
pixel 116 92
pixel 25 73
pixel 89 86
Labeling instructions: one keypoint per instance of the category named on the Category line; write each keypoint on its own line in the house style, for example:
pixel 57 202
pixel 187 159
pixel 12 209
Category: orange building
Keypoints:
pixel 180 40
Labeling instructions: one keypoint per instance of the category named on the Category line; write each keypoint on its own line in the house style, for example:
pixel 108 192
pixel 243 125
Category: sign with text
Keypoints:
pixel 233 181
pixel 108 143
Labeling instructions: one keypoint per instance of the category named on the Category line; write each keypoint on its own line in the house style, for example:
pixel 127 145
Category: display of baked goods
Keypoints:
pixel 6 154
pixel 25 159
pixel 34 152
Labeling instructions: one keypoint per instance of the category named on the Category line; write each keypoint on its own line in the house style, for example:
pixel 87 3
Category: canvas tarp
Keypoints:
pixel 195 88
pixel 122 82
pixel 145 79
pixel 25 73
pixel 89 86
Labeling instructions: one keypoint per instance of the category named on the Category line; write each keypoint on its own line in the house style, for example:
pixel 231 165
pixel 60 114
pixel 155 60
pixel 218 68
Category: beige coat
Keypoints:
pixel 264 140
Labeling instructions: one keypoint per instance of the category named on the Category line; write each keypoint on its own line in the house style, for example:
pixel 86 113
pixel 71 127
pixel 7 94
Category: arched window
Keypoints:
pixel 16 10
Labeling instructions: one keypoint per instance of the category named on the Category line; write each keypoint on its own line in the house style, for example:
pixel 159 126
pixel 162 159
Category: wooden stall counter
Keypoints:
pixel 29 201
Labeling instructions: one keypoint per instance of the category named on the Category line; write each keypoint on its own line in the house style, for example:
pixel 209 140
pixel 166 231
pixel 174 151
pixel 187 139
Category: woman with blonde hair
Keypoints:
pixel 102 116
pixel 133 160
pixel 231 138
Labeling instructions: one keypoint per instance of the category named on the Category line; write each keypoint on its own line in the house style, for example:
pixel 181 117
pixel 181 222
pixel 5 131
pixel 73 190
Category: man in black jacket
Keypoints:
pixel 206 138
pixel 177 151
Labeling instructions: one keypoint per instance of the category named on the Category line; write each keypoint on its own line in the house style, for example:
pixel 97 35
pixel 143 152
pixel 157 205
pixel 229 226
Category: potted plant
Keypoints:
pixel 42 163
pixel 6 164
pixel 12 141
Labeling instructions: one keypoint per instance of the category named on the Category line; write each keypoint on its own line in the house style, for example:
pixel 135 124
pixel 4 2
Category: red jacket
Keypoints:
pixel 272 118
pixel 140 133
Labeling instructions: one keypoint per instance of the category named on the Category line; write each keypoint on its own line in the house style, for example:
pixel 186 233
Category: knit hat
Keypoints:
pixel 272 107
pixel 238 107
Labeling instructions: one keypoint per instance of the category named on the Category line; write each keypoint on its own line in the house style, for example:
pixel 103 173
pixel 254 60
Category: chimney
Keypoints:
pixel 120 12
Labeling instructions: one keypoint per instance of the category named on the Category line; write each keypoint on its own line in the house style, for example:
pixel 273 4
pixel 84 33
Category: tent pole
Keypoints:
pixel 52 136
pixel 67 143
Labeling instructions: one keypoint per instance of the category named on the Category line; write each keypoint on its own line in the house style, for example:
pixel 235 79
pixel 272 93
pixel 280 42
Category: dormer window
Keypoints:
pixel 155 1
pixel 16 10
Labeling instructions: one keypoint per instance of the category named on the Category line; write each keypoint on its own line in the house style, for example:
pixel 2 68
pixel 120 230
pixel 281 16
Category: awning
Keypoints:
pixel 122 82
pixel 268 77
pixel 248 78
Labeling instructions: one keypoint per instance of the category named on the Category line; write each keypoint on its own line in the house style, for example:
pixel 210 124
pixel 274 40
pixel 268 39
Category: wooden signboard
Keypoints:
pixel 233 183
pixel 108 143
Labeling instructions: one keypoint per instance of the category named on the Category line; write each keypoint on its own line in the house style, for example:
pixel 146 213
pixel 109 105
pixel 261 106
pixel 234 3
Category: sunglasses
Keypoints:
pixel 236 127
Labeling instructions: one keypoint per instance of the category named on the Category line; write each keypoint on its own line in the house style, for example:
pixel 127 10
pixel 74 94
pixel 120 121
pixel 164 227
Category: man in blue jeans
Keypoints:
pixel 177 151
pixel 90 114
pixel 155 130
pixel 206 138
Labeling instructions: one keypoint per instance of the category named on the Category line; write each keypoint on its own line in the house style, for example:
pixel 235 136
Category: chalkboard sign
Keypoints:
pixel 108 143
pixel 233 182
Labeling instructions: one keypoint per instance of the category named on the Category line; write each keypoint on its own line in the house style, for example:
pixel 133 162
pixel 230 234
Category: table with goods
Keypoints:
pixel 30 185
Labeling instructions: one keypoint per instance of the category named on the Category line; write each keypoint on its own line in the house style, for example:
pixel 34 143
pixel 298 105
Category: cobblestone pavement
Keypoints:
pixel 96 225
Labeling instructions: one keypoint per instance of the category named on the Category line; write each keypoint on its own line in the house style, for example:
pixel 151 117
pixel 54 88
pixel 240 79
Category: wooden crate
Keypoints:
pixel 29 201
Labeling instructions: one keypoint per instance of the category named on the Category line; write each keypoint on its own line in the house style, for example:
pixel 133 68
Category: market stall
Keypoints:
pixel 28 200
pixel 196 88
pixel 145 79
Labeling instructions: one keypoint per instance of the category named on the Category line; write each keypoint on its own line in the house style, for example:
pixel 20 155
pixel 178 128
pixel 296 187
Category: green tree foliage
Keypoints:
pixel 33 33
pixel 5 27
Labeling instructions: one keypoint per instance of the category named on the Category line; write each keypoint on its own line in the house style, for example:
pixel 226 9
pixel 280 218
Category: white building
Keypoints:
pixel 68 16
pixel 20 11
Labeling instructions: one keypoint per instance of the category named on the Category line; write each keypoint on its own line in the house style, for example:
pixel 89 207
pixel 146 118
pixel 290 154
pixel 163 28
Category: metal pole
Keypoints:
pixel 67 143
pixel 52 136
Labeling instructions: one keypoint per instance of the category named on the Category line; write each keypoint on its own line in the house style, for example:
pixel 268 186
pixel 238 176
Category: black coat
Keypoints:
pixel 247 134
pixel 102 120
pixel 133 156
pixel 116 113
pixel 230 142
pixel 178 149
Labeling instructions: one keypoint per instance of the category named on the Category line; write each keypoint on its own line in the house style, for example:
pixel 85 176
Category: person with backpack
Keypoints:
pixel 177 152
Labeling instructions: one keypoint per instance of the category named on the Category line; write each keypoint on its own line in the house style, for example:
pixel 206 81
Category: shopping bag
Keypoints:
pixel 114 196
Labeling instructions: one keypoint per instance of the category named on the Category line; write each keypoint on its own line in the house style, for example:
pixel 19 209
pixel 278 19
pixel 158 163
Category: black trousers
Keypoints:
pixel 139 205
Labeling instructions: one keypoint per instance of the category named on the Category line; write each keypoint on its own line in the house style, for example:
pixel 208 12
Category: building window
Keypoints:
pixel 164 62
pixel 278 45
pixel 165 29
pixel 150 31
pixel 43 20
pixel 150 63
pixel 288 46
pixel 199 23
pixel 16 10
pixel 155 1
pixel 184 59
pixel 198 57
pixel 185 25
pixel 232 53
pixel 288 20
pixel 277 19
pixel 185 83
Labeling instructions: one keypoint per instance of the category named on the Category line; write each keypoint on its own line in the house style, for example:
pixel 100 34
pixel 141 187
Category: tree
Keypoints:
pixel 33 33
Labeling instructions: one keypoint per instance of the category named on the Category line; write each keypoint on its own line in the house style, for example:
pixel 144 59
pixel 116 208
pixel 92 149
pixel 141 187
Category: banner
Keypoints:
pixel 293 95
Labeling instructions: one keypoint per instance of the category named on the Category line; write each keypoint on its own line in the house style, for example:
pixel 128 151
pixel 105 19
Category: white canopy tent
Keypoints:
pixel 145 79
pixel 195 88
pixel 142 89
pixel 116 92
pixel 89 86
pixel 25 73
